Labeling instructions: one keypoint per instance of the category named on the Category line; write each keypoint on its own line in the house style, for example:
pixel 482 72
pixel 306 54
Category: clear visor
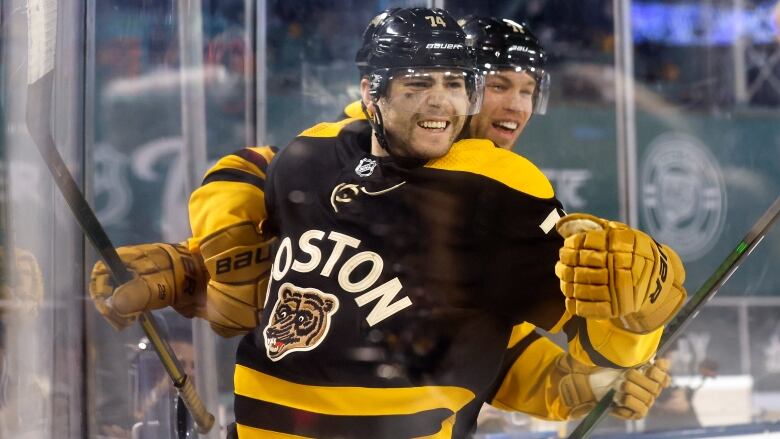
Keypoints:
pixel 436 92
pixel 542 89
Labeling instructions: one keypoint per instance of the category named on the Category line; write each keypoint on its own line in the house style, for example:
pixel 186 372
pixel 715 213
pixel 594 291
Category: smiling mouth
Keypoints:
pixel 436 126
pixel 506 126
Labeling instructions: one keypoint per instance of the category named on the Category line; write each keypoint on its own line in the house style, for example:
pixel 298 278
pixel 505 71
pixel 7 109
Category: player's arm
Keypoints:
pixel 621 287
pixel 227 213
pixel 232 192
pixel 525 285
pixel 219 273
pixel 163 275
pixel 540 379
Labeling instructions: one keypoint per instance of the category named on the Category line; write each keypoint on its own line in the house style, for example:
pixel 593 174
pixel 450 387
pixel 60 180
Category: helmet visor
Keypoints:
pixel 435 91
pixel 541 90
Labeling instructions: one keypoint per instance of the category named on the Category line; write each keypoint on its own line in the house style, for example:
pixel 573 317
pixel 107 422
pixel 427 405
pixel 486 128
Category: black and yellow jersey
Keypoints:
pixel 395 286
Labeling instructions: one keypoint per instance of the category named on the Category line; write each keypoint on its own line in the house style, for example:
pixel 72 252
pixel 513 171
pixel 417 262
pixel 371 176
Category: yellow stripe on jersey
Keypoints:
pixel 621 347
pixel 525 386
pixel 326 129
pixel 355 110
pixel 348 401
pixel 519 332
pixel 246 432
pixel 482 157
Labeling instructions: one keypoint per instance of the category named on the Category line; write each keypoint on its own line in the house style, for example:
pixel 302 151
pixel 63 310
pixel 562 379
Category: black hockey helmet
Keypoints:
pixel 404 40
pixel 505 44
pixel 367 43
pixel 417 43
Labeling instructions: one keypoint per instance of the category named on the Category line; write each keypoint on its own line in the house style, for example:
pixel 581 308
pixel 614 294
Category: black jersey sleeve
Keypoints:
pixel 521 249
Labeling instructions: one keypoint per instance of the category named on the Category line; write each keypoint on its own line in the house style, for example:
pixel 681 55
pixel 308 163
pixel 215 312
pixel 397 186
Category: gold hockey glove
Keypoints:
pixel 611 271
pixel 581 387
pixel 639 389
pixel 164 275
pixel 238 259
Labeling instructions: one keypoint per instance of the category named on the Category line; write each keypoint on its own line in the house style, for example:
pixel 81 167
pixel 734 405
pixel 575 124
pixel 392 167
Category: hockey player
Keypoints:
pixel 517 86
pixel 402 262
pixel 516 83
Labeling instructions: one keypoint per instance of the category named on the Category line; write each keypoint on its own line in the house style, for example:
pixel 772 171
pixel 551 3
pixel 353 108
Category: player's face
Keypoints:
pixel 424 113
pixel 506 108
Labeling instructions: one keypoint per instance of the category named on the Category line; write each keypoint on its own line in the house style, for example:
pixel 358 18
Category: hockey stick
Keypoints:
pixel 692 308
pixel 42 31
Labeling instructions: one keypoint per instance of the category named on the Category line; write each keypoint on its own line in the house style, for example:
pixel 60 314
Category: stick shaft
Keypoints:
pixel 38 125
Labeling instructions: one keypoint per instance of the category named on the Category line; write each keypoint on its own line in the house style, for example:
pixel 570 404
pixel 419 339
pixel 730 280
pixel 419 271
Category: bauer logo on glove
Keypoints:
pixel 238 260
pixel 611 271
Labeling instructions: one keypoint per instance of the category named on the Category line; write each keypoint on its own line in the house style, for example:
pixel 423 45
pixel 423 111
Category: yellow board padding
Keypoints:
pixel 482 157
pixel 326 129
pixel 348 401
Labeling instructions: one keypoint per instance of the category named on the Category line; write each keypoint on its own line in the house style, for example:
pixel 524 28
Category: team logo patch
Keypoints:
pixel 345 193
pixel 365 167
pixel 300 320
pixel 684 195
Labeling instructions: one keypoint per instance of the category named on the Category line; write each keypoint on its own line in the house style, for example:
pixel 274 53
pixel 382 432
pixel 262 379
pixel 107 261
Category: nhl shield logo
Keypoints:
pixel 365 167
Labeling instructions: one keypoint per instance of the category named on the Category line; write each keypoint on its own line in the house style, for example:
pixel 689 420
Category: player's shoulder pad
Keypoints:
pixel 355 110
pixel 482 157
pixel 327 129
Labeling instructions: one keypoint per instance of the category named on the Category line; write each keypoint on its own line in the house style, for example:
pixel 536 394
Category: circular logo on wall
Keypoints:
pixel 684 196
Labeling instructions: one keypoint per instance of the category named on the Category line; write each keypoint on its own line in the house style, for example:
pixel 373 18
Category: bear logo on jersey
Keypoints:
pixel 365 167
pixel 299 321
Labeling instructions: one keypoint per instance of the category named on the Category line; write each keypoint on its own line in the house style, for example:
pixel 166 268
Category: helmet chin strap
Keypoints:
pixel 378 126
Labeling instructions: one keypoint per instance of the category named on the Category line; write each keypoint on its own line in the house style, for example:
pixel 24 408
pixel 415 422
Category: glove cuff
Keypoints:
pixel 189 273
pixel 236 254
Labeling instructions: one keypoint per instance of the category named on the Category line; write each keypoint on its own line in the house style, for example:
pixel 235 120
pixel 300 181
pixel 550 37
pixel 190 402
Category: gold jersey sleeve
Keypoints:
pixel 232 191
pixel 529 381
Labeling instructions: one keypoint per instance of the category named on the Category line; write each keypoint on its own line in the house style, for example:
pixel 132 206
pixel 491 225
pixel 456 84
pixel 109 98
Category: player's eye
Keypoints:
pixel 417 85
pixel 455 85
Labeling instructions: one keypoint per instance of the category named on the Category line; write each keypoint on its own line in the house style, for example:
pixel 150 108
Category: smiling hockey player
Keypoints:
pixel 403 261
pixel 516 83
